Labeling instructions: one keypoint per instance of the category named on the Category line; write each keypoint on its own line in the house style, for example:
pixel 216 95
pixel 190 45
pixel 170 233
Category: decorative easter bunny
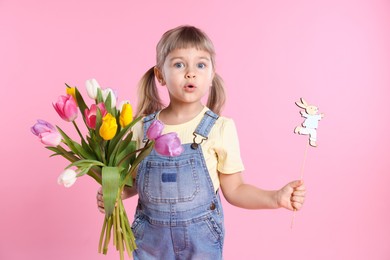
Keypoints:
pixel 309 126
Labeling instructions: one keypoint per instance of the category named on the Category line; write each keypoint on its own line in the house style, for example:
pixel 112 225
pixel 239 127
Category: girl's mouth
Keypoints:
pixel 189 88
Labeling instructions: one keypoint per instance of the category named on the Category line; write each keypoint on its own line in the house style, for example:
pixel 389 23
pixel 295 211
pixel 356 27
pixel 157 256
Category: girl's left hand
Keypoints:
pixel 292 196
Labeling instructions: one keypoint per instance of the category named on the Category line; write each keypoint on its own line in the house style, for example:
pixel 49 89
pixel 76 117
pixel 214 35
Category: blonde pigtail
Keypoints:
pixel 217 97
pixel 149 100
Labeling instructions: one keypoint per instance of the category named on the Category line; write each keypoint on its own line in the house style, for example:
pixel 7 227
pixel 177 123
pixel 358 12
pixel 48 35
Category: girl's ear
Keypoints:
pixel 159 76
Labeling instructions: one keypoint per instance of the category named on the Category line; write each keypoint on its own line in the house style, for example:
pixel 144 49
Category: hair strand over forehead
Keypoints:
pixel 183 37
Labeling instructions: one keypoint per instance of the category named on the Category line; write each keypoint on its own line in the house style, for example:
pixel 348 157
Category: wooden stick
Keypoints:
pixel 302 171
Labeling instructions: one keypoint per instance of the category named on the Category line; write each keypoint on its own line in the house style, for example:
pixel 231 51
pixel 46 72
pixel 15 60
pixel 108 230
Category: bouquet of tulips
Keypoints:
pixel 107 153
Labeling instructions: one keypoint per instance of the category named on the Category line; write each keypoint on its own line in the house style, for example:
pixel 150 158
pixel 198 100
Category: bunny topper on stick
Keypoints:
pixel 310 125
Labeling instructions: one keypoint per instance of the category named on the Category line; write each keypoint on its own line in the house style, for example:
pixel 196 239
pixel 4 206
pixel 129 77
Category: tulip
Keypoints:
pixel 126 115
pixel 66 107
pixel 90 114
pixel 67 178
pixel 41 127
pixel 46 133
pixel 168 144
pixel 106 92
pixel 155 130
pixel 71 91
pixel 108 129
pixel 92 88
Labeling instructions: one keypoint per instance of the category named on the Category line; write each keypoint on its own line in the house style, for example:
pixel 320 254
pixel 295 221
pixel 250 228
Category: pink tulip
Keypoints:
pixel 90 114
pixel 155 130
pixel 168 144
pixel 66 107
pixel 46 133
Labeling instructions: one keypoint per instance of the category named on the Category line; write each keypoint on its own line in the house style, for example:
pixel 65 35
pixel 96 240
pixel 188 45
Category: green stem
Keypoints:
pixel 108 235
pixel 102 235
pixel 131 171
pixel 125 231
pixel 103 151
pixel 68 155
pixel 127 156
pixel 119 239
pixel 95 175
pixel 72 158
pixel 114 240
pixel 78 131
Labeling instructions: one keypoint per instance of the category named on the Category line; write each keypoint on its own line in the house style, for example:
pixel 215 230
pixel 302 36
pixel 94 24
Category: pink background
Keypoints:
pixel 336 54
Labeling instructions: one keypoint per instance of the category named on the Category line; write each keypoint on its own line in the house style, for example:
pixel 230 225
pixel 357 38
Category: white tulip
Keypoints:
pixel 67 178
pixel 92 88
pixel 106 92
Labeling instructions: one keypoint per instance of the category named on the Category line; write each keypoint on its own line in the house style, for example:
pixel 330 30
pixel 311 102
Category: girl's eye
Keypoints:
pixel 178 65
pixel 201 65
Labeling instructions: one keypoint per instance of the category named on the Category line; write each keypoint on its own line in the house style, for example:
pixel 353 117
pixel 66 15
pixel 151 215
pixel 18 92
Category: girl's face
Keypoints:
pixel 188 74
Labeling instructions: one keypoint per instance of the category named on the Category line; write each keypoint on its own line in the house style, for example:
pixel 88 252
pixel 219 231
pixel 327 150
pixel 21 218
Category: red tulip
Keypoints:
pixel 90 114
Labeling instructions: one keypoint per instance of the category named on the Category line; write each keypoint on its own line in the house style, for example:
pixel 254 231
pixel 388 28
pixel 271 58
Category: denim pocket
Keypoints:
pixel 138 227
pixel 216 228
pixel 171 181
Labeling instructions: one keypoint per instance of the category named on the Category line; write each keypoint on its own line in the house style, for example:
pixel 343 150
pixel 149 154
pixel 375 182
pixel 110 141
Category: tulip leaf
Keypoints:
pixel 98 125
pixel 127 153
pixel 68 141
pixel 145 152
pixel 99 96
pixel 119 148
pixel 114 142
pixel 107 104
pixel 88 149
pixel 54 154
pixel 83 162
pixel 54 149
pixel 82 152
pixel 110 182
pixel 81 103
pixel 94 146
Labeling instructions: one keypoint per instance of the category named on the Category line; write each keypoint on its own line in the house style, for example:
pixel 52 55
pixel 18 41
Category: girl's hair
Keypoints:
pixel 178 38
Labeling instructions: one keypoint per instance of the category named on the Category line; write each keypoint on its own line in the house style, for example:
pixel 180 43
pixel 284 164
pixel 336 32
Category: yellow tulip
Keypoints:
pixel 108 129
pixel 126 115
pixel 72 92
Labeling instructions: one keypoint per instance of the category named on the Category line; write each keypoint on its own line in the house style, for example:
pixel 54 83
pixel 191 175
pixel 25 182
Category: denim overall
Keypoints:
pixel 179 215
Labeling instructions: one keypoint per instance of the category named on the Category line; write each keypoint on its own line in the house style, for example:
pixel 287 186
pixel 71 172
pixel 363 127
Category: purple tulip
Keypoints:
pixel 168 144
pixel 155 130
pixel 41 127
pixel 66 107
pixel 46 133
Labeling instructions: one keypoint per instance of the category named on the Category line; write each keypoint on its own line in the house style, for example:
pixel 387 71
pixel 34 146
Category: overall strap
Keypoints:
pixel 203 129
pixel 148 120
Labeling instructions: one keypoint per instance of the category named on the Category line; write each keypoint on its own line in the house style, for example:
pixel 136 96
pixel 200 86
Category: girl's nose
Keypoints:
pixel 190 75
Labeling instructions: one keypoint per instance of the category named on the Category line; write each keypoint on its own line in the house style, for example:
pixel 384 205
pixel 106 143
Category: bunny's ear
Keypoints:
pixel 302 103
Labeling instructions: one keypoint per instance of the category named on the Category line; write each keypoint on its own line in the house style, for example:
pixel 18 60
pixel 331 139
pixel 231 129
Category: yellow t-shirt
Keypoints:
pixel 221 150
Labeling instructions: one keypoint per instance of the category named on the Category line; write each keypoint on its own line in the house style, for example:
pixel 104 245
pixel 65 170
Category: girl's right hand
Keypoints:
pixel 126 193
pixel 99 200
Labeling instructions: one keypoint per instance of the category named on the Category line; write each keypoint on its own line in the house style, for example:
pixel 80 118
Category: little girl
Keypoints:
pixel 179 213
